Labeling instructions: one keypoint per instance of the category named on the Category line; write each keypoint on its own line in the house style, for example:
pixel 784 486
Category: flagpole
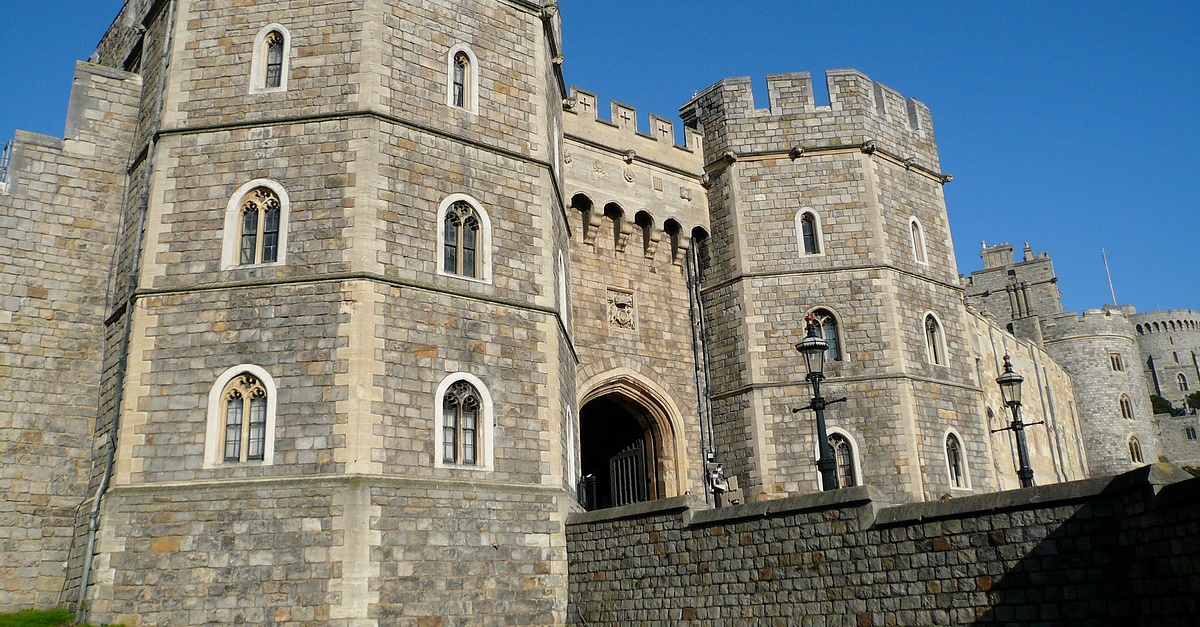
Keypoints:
pixel 1108 272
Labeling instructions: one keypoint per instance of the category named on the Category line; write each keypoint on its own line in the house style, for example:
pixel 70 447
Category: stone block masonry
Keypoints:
pixel 1110 551
pixel 57 231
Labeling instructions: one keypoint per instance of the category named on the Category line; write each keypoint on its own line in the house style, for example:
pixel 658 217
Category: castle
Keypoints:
pixel 333 312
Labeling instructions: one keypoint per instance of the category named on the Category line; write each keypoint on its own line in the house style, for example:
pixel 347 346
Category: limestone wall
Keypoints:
pixel 59 213
pixel 638 218
pixel 865 167
pixel 1085 345
pixel 357 324
pixel 1120 549
pixel 329 551
pixel 1056 448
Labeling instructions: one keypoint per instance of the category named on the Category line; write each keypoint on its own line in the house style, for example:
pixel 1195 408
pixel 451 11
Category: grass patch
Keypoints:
pixel 42 618
pixel 37 618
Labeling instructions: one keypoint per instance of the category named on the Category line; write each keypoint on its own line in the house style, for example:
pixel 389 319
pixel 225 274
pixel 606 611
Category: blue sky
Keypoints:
pixel 1070 125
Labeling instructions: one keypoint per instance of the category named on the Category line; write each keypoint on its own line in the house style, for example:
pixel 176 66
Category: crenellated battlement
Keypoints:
pixel 582 120
pixel 859 110
pixel 1167 321
pixel 850 91
pixel 1105 321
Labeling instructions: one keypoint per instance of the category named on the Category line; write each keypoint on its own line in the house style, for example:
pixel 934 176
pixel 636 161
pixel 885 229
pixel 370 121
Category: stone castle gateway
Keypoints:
pixel 341 312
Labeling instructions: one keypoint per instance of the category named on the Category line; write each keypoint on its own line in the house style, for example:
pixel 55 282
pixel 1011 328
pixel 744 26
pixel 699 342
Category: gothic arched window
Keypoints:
pixel 1126 407
pixel 934 341
pixel 461 406
pixel 461 240
pixel 808 232
pixel 260 222
pixel 269 69
pixel 843 454
pixel 918 241
pixel 462 78
pixel 954 461
pixel 244 418
pixel 829 332
pixel 1181 379
pixel 1135 450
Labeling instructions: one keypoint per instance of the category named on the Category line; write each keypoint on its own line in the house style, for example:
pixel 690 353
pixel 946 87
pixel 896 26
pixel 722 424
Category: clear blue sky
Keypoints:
pixel 1070 125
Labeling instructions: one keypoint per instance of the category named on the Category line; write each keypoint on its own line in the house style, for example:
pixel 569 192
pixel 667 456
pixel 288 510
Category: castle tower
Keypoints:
pixel 1170 346
pixel 836 211
pixel 639 222
pixel 1018 294
pixel 1169 343
pixel 338 363
pixel 1098 349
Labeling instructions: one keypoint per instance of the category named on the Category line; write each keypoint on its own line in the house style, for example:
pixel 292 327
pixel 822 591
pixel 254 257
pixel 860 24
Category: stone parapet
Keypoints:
pixel 1117 547
pixel 582 122
pixel 860 113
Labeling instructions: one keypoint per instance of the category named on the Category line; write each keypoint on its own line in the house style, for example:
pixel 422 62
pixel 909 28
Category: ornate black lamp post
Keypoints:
pixel 1010 387
pixel 814 348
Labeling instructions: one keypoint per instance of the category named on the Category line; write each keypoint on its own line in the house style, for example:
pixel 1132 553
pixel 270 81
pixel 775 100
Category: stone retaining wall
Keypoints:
pixel 1119 550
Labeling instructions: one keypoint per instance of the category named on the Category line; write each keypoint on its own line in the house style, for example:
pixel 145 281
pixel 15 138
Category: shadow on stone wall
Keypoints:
pixel 1126 558
pixel 1122 550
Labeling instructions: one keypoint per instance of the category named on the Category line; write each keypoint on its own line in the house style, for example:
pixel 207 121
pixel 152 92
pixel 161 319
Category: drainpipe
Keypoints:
pixel 700 355
pixel 127 330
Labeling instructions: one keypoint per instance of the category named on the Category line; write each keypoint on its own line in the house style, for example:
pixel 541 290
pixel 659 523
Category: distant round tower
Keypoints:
pixel 1170 350
pixel 1098 349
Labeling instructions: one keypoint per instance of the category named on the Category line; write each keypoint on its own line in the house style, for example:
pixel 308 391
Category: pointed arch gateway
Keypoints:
pixel 631 450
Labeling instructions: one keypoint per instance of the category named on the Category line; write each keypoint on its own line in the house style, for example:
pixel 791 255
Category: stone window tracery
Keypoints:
pixel 460 424
pixel 461 245
pixel 829 332
pixel 464 239
pixel 934 341
pixel 1135 450
pixel 954 461
pixel 1126 407
pixel 1181 379
pixel 261 213
pixel 245 419
pixel 269 66
pixel 843 454
pixel 241 418
pixel 464 423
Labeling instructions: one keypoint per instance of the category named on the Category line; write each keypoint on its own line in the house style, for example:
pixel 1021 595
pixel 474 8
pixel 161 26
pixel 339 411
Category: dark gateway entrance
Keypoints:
pixel 619 453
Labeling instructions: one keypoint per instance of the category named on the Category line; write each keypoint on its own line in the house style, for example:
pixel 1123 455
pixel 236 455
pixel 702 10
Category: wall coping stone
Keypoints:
pixel 867 498
pixel 1164 484
pixel 38 139
pixel 644 509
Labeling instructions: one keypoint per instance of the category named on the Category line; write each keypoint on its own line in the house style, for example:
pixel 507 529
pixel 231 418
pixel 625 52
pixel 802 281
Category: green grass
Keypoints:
pixel 35 618
pixel 42 618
